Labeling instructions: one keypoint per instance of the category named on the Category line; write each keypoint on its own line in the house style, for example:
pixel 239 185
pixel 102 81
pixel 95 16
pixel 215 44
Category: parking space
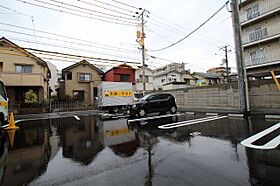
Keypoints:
pixel 181 149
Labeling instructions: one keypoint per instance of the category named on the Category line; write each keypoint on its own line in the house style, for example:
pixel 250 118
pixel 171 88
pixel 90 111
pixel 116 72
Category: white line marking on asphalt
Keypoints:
pixel 76 117
pixel 272 144
pixel 154 117
pixel 190 122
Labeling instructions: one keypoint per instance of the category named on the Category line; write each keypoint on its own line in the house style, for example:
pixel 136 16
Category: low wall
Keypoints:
pixel 263 96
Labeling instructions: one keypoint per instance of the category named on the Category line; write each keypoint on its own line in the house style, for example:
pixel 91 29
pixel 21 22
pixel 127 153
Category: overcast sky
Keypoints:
pixel 168 22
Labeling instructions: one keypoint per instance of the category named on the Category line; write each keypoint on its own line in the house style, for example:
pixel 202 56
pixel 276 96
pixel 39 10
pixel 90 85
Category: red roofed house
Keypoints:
pixel 121 73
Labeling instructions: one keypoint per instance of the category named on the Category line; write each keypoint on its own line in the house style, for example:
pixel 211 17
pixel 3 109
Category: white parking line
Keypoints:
pixel 153 117
pixel 76 117
pixel 190 122
pixel 272 144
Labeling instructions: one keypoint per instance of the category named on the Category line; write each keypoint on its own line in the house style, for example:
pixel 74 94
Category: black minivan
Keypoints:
pixel 156 102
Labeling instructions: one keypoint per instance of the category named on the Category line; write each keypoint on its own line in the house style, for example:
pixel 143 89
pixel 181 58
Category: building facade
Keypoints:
pixel 148 80
pixel 260 31
pixel 79 82
pixel 22 71
pixel 121 73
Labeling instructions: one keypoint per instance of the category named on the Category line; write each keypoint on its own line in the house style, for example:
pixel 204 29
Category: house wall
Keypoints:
pixel 114 74
pixel 139 84
pixel 38 77
pixel 76 85
pixel 264 97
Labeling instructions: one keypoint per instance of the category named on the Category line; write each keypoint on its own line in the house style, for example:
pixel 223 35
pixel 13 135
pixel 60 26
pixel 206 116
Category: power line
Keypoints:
pixel 90 10
pixel 108 4
pixel 70 48
pixel 109 9
pixel 125 4
pixel 73 55
pixel 70 42
pixel 182 28
pixel 193 30
pixel 63 36
pixel 103 18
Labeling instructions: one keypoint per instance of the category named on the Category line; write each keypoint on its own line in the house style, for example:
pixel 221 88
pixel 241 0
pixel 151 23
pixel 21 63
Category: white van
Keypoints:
pixel 4 116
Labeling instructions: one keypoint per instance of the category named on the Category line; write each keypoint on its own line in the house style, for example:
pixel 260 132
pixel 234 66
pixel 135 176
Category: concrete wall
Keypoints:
pixel 264 97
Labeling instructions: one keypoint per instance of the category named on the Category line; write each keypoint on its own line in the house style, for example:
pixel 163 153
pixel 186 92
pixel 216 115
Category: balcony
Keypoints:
pixel 22 79
pixel 260 35
pixel 256 12
pixel 265 59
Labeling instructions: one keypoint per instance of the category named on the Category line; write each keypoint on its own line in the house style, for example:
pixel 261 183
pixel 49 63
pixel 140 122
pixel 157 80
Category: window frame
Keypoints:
pixel 23 68
pixel 84 75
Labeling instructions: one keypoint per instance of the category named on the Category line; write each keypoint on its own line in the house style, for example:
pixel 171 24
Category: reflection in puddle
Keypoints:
pixel 89 151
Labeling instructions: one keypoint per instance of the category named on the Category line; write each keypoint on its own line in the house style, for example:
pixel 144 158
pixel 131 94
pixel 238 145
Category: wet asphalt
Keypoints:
pixel 102 151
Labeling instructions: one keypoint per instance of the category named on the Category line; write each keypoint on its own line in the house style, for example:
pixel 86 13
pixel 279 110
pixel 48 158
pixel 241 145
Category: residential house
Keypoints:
pixel 187 78
pixel 206 79
pixel 166 74
pixel 165 77
pixel 148 79
pixel 120 73
pixel 80 81
pixel 260 32
pixel 22 71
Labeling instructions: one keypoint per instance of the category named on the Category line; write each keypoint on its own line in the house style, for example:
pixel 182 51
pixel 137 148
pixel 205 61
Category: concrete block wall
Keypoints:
pixel 263 96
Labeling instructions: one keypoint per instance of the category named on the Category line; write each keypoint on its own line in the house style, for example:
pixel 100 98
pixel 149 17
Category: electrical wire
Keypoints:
pixel 63 36
pixel 90 10
pixel 109 9
pixel 69 42
pixel 125 4
pixel 108 4
pixel 121 22
pixel 105 60
pixel 193 30
pixel 70 48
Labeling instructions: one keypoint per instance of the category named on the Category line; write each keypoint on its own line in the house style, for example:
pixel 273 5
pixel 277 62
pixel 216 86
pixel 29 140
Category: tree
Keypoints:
pixel 31 97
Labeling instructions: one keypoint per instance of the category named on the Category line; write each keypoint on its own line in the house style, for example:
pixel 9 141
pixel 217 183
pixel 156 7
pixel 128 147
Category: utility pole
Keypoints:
pixel 225 49
pixel 238 52
pixel 142 35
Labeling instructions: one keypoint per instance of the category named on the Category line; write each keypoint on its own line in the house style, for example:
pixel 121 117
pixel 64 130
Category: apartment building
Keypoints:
pixel 260 32
pixel 22 71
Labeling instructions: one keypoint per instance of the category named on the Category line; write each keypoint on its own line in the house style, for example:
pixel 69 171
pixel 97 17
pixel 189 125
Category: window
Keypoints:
pixel 124 77
pixel 69 75
pixel 1 66
pixel 253 11
pixel 257 57
pixel 84 77
pixel 79 95
pixel 23 68
pixel 162 80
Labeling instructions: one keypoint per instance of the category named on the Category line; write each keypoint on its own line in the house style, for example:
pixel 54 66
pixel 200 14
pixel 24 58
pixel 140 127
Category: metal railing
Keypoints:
pixel 259 34
pixel 264 7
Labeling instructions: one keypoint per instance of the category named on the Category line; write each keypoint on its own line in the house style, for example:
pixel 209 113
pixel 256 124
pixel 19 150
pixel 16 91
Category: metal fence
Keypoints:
pixel 66 106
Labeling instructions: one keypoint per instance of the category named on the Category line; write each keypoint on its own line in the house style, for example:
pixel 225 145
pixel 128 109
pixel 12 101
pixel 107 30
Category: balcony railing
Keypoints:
pixel 22 79
pixel 264 7
pixel 261 34
pixel 267 57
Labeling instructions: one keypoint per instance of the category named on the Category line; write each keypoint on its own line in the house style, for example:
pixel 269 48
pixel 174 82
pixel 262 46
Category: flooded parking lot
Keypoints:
pixel 91 151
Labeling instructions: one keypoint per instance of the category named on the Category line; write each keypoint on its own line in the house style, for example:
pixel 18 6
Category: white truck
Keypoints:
pixel 114 96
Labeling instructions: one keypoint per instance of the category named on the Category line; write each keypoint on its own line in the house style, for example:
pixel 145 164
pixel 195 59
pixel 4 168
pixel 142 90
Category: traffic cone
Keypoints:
pixel 12 125
pixel 11 134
